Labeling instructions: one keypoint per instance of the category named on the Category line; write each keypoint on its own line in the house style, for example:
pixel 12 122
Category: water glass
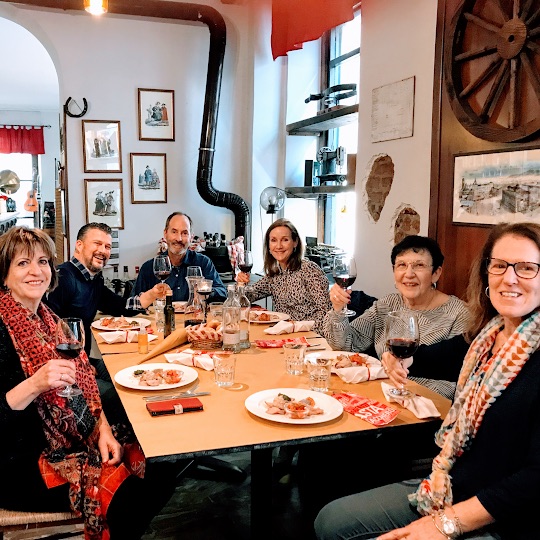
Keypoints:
pixel 224 367
pixel 319 373
pixel 159 306
pixel 215 312
pixel 294 358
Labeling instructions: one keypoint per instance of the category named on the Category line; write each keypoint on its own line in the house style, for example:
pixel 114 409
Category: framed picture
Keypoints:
pixel 104 202
pixel 148 178
pixel 498 186
pixel 156 115
pixel 101 146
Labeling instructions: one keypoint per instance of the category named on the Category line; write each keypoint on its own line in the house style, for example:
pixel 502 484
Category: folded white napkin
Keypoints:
pixel 420 406
pixel 123 336
pixel 355 374
pixel 189 357
pixel 288 327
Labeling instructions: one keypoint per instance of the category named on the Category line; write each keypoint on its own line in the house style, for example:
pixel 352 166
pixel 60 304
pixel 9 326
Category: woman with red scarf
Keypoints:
pixel 58 453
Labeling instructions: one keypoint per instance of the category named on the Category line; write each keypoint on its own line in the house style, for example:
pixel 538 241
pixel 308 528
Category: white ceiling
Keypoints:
pixel 28 75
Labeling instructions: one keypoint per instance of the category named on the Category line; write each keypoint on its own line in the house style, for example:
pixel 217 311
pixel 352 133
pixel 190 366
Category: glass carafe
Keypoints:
pixel 194 313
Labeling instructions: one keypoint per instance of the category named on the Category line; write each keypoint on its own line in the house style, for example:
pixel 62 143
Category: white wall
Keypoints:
pixel 398 41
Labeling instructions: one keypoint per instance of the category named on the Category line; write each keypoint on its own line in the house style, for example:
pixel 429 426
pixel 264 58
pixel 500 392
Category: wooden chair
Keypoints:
pixel 12 520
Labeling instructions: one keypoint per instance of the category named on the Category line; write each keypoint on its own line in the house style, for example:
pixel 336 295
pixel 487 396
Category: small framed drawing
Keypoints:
pixel 148 178
pixel 101 146
pixel 104 202
pixel 156 115
pixel 497 186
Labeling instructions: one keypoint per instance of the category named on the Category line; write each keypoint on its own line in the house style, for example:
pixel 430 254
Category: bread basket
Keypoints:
pixel 204 337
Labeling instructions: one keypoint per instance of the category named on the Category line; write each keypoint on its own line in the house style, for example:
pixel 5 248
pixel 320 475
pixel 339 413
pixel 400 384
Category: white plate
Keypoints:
pixel 275 316
pixel 141 323
pixel 126 378
pixel 333 355
pixel 332 408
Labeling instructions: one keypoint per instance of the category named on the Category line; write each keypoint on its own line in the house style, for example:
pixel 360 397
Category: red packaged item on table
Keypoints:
pixel 370 410
pixel 277 343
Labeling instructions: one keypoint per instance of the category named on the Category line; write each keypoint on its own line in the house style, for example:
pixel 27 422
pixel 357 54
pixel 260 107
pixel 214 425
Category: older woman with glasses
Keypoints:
pixel 484 482
pixel 417 263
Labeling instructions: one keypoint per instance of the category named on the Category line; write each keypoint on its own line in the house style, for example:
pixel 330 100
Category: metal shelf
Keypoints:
pixel 332 119
pixel 306 191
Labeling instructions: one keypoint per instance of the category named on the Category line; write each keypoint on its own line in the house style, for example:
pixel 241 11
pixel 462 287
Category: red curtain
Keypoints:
pixel 297 21
pixel 20 140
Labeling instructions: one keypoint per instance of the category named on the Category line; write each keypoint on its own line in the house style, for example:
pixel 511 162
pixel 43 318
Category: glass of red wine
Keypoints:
pixel 245 261
pixel 345 275
pixel 162 267
pixel 69 338
pixel 402 339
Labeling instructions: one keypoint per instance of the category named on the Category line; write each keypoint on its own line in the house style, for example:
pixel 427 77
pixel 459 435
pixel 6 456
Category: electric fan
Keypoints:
pixel 272 199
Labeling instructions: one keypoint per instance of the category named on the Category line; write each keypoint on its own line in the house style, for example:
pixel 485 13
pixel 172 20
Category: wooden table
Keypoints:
pixel 226 426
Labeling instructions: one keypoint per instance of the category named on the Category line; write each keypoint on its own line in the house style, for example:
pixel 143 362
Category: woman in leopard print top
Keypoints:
pixel 297 286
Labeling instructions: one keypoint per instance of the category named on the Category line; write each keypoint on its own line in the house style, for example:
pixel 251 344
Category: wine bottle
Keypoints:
pixel 170 325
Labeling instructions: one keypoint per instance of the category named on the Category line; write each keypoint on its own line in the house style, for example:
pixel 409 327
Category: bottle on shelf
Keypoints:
pixel 136 272
pixel 125 275
pixel 115 272
pixel 231 328
pixel 169 322
pixel 245 308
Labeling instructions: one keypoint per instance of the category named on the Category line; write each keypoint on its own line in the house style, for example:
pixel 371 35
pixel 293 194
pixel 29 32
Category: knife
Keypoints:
pixel 175 396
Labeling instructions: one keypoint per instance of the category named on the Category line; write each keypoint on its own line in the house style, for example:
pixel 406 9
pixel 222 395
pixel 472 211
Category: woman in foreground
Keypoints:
pixel 297 286
pixel 59 453
pixel 417 265
pixel 485 479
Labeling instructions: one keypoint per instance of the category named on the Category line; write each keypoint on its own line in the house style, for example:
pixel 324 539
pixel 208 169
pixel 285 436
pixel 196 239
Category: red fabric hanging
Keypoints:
pixel 296 21
pixel 21 140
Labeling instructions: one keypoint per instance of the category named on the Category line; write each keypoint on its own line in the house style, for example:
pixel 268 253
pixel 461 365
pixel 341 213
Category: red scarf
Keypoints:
pixel 71 456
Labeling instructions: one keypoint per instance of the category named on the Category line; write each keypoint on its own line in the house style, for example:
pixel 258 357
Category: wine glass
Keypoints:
pixel 245 261
pixel 345 275
pixel 69 339
pixel 162 267
pixel 402 340
pixel 194 271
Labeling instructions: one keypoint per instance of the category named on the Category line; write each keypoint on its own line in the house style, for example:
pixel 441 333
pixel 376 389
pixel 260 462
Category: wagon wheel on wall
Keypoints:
pixel 492 68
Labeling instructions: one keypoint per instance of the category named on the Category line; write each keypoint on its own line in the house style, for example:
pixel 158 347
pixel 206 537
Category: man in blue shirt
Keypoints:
pixel 178 236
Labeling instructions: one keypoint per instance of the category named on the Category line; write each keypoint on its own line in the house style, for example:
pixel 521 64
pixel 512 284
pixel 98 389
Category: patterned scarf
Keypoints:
pixel 70 425
pixel 482 380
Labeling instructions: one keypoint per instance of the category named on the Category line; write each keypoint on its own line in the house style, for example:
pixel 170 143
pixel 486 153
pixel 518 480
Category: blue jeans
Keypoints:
pixel 371 513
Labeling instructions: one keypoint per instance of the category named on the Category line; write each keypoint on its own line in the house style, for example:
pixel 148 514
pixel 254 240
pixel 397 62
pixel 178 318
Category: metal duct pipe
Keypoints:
pixel 218 34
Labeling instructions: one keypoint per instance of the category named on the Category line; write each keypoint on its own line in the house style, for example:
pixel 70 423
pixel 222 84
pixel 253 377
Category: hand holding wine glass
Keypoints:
pixel 344 272
pixel 244 260
pixel 69 338
pixel 162 267
pixel 402 339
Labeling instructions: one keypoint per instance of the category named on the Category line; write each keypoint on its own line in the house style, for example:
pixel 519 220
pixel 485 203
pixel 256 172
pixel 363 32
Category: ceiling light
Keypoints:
pixel 96 7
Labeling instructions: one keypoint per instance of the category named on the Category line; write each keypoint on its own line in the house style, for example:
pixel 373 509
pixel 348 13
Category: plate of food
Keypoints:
pixel 155 376
pixel 120 323
pixel 267 317
pixel 343 359
pixel 294 406
pixel 180 306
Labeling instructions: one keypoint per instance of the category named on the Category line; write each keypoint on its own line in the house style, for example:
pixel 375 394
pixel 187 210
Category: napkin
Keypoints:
pixel 174 339
pixel 189 357
pixel 355 374
pixel 123 336
pixel 420 406
pixel 370 410
pixel 288 327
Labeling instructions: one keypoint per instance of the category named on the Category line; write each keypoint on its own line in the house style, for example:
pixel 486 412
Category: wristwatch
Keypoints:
pixel 449 526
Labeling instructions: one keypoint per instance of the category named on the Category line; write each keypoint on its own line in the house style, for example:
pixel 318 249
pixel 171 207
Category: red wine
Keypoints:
pixel 162 274
pixel 344 280
pixel 402 347
pixel 246 268
pixel 71 350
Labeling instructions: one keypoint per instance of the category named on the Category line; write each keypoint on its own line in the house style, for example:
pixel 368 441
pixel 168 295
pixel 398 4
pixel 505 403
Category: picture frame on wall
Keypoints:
pixel 104 202
pixel 148 178
pixel 156 114
pixel 102 149
pixel 493 187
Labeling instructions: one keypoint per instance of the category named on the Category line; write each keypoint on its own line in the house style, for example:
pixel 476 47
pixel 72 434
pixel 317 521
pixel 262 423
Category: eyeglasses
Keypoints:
pixel 417 266
pixel 525 270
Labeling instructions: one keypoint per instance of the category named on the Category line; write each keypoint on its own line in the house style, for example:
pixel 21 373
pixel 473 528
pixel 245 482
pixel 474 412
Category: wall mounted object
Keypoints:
pixel 156 114
pixel 148 178
pixel 104 202
pixel 101 146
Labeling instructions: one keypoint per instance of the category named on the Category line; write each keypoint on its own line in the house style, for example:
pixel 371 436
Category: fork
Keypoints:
pixel 185 393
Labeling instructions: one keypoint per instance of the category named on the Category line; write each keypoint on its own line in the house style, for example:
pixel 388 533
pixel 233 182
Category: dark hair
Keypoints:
pixel 417 244
pixel 179 214
pixel 271 266
pixel 100 226
pixel 480 306
pixel 22 239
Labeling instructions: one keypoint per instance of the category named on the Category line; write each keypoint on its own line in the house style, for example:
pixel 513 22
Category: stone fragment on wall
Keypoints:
pixel 380 175
pixel 406 221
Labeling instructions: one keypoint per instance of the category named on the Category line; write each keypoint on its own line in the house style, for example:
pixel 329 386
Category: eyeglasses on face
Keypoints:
pixel 417 266
pixel 525 270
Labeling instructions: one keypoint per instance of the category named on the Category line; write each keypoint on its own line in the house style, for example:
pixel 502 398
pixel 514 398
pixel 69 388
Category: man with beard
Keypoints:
pixel 81 292
pixel 178 236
